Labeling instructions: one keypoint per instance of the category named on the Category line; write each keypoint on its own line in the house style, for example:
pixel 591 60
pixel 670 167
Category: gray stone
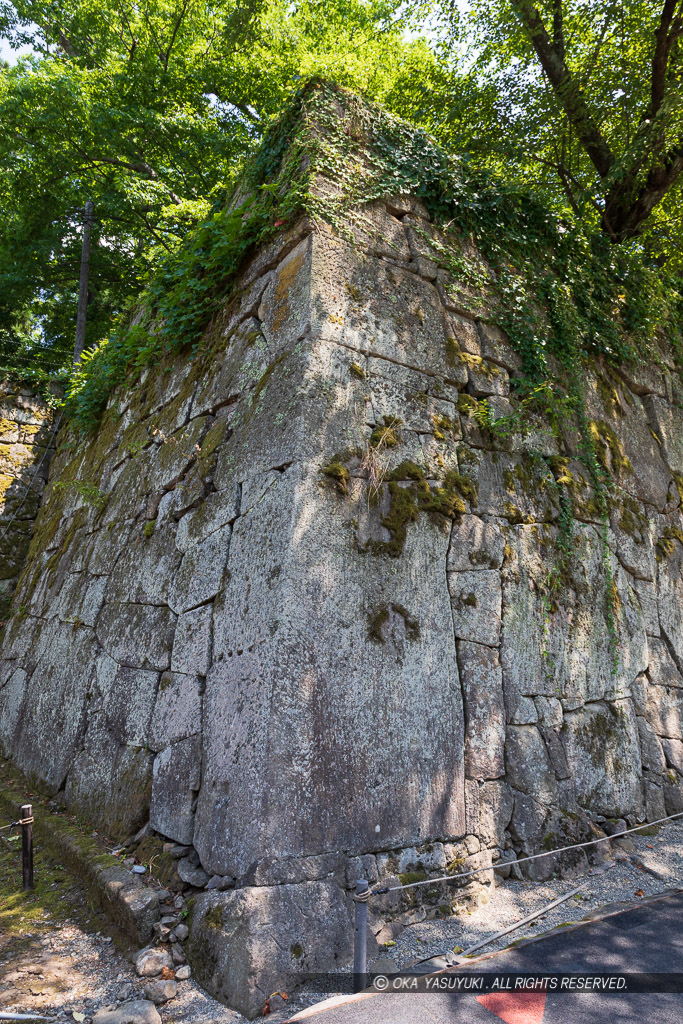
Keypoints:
pixel 665 710
pixel 496 804
pixel 653 797
pixel 137 635
pixel 194 876
pixel 603 753
pixel 651 753
pixel 192 642
pixel 221 882
pixel 179 851
pixel 476 605
pixel 475 544
pixel 528 767
pixel 673 751
pixel 138 1011
pixel 183 973
pixel 182 931
pixel 201 571
pixel 150 962
pixel 481 679
pixel 176 777
pixel 177 710
pixel 160 992
pixel 250 942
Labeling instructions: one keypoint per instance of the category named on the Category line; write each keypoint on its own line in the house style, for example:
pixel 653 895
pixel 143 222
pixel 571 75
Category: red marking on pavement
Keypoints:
pixel 515 1007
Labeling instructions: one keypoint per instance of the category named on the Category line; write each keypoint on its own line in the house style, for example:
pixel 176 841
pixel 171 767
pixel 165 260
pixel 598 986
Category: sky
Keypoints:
pixel 10 55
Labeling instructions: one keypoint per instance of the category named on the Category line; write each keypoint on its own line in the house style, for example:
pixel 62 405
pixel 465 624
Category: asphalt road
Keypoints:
pixel 647 939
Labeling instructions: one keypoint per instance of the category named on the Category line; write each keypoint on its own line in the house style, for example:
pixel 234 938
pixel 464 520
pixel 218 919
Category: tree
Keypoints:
pixel 149 109
pixel 592 91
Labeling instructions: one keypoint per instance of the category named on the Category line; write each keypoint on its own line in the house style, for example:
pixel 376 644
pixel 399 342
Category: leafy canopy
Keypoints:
pixel 583 99
pixel 149 109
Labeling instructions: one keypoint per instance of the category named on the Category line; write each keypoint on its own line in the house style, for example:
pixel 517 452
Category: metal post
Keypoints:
pixel 83 284
pixel 360 936
pixel 26 815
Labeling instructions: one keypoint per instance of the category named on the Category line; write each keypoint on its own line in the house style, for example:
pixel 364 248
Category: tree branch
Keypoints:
pixel 176 27
pixel 567 90
pixel 660 58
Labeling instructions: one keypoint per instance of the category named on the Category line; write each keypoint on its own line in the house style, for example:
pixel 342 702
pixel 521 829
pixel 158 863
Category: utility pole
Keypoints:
pixel 83 284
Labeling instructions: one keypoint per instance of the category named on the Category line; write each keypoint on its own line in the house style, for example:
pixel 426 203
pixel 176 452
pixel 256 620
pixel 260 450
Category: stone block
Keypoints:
pixel 475 544
pixel 177 709
pixel 201 571
pixel 651 752
pixel 476 604
pixel 673 751
pixel 482 684
pixel 603 753
pixel 176 777
pixel 137 635
pixel 247 943
pixel 528 767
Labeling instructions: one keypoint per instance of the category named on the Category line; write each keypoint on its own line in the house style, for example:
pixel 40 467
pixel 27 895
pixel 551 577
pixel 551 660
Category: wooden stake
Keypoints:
pixel 26 816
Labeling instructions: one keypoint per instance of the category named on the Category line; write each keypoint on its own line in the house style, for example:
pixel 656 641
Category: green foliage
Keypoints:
pixel 150 112
pixel 580 101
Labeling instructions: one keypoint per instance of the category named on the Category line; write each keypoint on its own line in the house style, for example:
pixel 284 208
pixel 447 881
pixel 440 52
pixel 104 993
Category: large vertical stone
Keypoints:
pixel 482 685
pixel 293 713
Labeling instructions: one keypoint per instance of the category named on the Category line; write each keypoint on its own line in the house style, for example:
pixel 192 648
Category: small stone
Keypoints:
pixel 179 902
pixel 182 931
pixel 625 844
pixel 161 931
pixel 150 962
pixel 180 851
pixel 163 895
pixel 183 973
pixel 160 991
pixel 614 825
pixel 168 919
pixel 138 1011
pixel 177 953
pixel 221 882
pixel 139 869
pixel 194 876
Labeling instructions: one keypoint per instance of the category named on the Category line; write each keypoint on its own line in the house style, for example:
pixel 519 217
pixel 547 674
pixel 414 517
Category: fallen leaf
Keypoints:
pixel 649 846
pixel 167 974
pixel 639 892
pixel 77 1015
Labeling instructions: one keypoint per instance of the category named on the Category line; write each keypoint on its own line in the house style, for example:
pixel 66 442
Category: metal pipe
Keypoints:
pixel 360 936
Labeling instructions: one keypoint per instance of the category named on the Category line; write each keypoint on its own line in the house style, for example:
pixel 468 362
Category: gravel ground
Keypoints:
pixel 66 965
pixel 624 880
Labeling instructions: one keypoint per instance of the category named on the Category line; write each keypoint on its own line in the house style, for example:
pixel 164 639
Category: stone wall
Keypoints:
pixel 291 606
pixel 26 446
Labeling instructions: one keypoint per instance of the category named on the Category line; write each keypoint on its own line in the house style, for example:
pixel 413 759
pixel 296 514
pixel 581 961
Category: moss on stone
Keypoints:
pixel 608 448
pixel 208 453
pixel 213 918
pixel 357 371
pixel 263 382
pixel 149 527
pixel 467 406
pixel 337 474
pixel 386 433
pixel 666 545
pixel 443 425
pixel 410 877
pixel 378 619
